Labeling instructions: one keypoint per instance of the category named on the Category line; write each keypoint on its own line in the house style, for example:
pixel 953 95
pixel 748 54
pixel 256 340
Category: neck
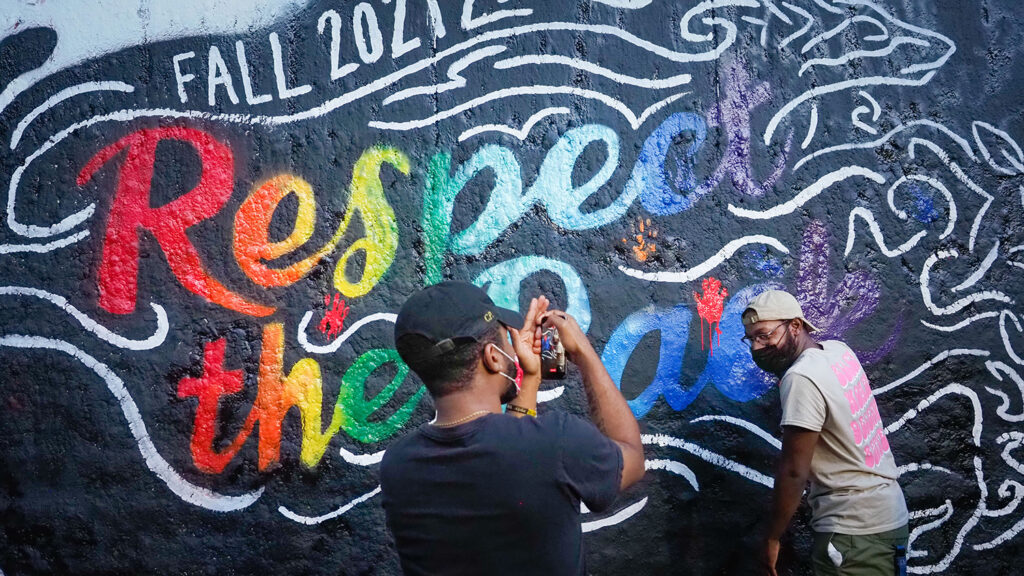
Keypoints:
pixel 806 342
pixel 460 404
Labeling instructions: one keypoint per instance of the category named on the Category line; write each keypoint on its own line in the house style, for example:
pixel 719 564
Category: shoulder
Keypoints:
pixel 562 424
pixel 556 429
pixel 395 452
pixel 815 364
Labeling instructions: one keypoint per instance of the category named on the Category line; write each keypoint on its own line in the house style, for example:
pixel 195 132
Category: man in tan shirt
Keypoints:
pixel 833 436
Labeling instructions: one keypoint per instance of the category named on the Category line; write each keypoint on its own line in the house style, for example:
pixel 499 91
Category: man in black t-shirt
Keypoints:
pixel 481 492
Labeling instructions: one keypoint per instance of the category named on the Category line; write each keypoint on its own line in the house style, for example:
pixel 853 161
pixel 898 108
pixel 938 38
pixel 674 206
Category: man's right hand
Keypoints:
pixel 608 409
pixel 573 339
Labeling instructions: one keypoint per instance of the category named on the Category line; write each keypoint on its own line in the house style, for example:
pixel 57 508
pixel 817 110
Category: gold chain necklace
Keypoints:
pixel 462 420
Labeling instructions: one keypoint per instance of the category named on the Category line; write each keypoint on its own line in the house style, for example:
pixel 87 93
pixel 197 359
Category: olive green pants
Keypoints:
pixel 863 555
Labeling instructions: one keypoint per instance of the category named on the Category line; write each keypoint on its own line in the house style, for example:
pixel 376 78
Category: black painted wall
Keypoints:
pixel 213 210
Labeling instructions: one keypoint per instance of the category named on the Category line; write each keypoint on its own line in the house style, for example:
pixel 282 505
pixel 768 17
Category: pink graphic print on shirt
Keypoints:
pixel 867 426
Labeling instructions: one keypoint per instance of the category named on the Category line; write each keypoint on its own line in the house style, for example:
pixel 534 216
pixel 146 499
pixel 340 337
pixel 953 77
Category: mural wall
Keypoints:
pixel 214 209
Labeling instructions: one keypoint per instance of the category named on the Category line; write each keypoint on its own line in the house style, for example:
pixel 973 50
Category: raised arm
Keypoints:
pixel 608 409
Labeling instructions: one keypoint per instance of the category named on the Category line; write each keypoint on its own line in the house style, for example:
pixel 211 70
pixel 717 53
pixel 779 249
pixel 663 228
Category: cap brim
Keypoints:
pixel 509 318
pixel 810 327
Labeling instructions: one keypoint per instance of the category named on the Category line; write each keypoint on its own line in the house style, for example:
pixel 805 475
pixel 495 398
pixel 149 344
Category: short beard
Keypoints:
pixel 511 391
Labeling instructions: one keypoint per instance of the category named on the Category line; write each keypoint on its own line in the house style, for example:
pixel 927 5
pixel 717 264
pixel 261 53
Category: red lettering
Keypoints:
pixel 214 383
pixel 131 211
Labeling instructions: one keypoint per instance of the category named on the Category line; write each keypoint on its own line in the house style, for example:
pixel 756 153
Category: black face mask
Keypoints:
pixel 778 358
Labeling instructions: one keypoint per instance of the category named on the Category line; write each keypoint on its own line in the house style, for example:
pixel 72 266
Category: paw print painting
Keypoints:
pixel 643 239
pixel 709 308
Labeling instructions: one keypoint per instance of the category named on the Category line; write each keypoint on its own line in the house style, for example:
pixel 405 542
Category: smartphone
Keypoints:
pixel 552 355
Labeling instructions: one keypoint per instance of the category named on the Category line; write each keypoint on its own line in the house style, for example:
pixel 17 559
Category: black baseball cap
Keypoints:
pixel 447 315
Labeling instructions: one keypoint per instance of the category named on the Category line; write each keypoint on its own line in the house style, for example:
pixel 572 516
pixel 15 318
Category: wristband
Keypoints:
pixel 520 409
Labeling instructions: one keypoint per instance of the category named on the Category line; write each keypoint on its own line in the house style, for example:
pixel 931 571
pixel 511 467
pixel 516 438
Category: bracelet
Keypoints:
pixel 520 409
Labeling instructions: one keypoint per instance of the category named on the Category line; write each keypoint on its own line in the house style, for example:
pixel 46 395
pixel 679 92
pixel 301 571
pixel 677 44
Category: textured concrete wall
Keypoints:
pixel 213 210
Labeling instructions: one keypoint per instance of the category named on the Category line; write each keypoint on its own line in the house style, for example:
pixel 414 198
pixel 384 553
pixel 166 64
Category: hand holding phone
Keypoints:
pixel 552 355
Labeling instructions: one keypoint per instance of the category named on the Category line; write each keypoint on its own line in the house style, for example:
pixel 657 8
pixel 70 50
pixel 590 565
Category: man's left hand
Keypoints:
pixel 770 556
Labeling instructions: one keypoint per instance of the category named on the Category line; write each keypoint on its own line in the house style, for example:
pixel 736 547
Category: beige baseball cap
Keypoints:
pixel 774 305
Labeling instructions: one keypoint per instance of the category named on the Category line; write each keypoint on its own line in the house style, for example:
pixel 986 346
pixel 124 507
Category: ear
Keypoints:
pixel 493 361
pixel 796 326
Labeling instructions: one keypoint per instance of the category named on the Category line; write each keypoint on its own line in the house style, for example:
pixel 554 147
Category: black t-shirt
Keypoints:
pixel 497 495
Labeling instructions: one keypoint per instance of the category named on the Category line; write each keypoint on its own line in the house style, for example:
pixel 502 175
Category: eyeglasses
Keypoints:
pixel 763 338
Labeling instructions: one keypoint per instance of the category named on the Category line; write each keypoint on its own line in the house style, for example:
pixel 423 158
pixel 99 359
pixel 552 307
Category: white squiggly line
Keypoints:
pixel 634 121
pixel 960 304
pixel 980 272
pixel 1004 537
pixel 775 11
pixel 1004 492
pixel 1005 335
pixel 708 456
pixel 314 520
pixel 628 4
pixel 549 395
pixel 742 424
pixel 803 29
pixel 812 128
pixel 876 233
pixel 674 467
pixel 963 178
pixel 855 119
pixel 455 78
pixel 184 489
pixel 617 518
pixel 876 109
pixel 520 134
pixel 843 26
pixel 945 512
pixel 43 248
pixel 988 158
pixel 337 342
pixel 158 337
pixel 61 96
pixel 934 397
pixel 469 22
pixel 940 357
pixel 917 467
pixel 964 145
pixel 930 33
pixel 979 511
pixel 824 4
pixel 758 22
pixel 711 263
pixel 808 193
pixel 995 367
pixel 1013 440
pixel 579 64
pixel 890 196
pixel 730 28
pixel 969 525
pixel 960 324
pixel 773 124
pixel 361 459
pixel 833 62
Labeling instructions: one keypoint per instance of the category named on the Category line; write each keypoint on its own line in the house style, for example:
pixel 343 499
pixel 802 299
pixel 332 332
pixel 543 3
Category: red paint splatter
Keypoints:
pixel 709 308
pixel 334 319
